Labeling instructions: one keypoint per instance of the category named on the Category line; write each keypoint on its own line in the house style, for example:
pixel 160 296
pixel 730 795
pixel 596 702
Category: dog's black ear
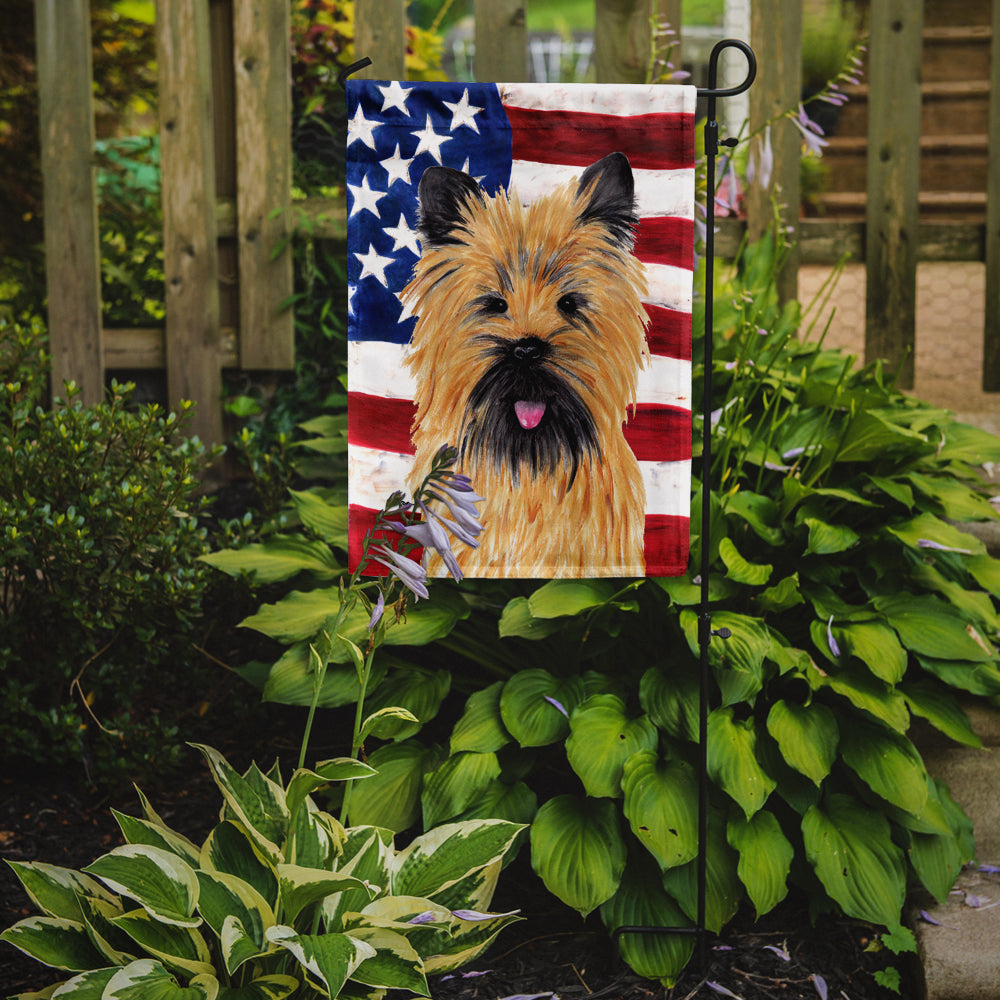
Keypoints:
pixel 610 192
pixel 443 194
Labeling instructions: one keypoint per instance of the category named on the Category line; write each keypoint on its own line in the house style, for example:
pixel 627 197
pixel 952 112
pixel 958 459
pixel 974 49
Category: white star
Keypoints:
pixel 395 97
pixel 360 128
pixel 403 236
pixel 463 113
pixel 407 303
pixel 373 265
pixel 465 170
pixel 364 197
pixel 430 141
pixel 351 289
pixel 397 167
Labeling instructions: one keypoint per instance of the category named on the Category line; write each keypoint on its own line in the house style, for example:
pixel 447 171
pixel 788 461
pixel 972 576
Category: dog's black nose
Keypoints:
pixel 529 348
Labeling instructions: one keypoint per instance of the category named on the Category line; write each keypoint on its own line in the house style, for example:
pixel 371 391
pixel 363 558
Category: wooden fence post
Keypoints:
pixel 190 251
pixel 380 34
pixel 776 35
pixel 622 40
pixel 893 183
pixel 991 332
pixel 501 41
pixel 262 61
pixel 72 255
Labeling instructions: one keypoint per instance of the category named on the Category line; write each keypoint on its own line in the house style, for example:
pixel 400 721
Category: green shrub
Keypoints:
pixel 101 584
pixel 279 900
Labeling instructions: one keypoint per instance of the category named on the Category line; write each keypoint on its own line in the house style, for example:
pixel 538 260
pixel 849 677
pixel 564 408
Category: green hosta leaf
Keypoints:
pixel 758 511
pixel 661 798
pixel 291 680
pixel 330 959
pixel 456 784
pixel 261 809
pixel 602 738
pixel 54 941
pixel 684 593
pixel 827 539
pixel 180 948
pixel 941 709
pixel 147 979
pixel 738 569
pixel 783 595
pixel 443 856
pixel 850 848
pixel 558 598
pixel 481 728
pixel 159 881
pixel 671 700
pixel 327 520
pixel 141 831
pixel 870 435
pixel 976 678
pixel 527 711
pixel 965 443
pixel 395 964
pixel 932 628
pixel 578 851
pixel 732 760
pixel 641 901
pixel 928 528
pixel 301 887
pixel 417 690
pixel 274 987
pixel 864 691
pixel 230 849
pixel 279 558
pixel 517 620
pixel 738 661
pixel 56 891
pixel 957 501
pixel 807 736
pixel 986 571
pixel 937 859
pixel 893 488
pixel 975 605
pixel 888 763
pixel 516 803
pixel 723 889
pixel 876 646
pixel 391 798
pixel 225 897
pixel 765 858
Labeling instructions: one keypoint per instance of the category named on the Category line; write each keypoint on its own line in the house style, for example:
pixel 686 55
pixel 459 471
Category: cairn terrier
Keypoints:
pixel 529 337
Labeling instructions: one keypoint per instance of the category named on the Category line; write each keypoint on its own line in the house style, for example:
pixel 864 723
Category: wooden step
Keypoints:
pixel 956 53
pixel 939 13
pixel 957 206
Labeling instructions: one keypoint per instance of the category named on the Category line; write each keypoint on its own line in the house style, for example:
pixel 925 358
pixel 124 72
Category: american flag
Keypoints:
pixel 526 137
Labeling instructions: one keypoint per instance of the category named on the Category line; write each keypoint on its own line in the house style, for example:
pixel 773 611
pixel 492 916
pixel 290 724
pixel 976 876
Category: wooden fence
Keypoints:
pixel 226 161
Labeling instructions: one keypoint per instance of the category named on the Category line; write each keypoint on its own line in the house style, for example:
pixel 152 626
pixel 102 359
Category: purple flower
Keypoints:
pixel 412 575
pixel 432 536
pixel 461 505
pixel 559 705
pixel 820 983
pixel 834 648
pixel 476 915
pixel 761 164
pixel 927 543
pixel 811 132
pixel 780 952
pixel 427 917
pixel 377 611
pixel 719 988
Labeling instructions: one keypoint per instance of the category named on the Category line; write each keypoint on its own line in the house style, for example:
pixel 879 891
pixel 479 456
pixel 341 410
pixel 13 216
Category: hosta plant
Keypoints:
pixel 279 900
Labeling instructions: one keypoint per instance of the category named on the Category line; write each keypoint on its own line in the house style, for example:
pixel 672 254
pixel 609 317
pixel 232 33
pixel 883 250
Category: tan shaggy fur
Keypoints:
pixel 542 526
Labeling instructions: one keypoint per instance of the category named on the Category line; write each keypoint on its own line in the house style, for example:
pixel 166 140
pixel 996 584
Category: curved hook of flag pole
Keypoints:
pixel 352 68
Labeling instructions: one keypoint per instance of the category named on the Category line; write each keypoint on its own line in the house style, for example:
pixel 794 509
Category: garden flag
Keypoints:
pixel 520 279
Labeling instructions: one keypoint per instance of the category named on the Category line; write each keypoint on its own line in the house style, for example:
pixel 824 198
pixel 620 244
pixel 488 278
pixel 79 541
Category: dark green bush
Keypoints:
pixel 100 587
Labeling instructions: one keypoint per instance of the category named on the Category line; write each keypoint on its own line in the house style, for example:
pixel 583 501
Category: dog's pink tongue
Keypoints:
pixel 529 413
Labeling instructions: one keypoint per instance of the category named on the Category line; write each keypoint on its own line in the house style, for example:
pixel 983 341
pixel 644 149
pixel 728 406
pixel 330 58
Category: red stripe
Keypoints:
pixel 380 422
pixel 361 520
pixel 669 332
pixel 658 433
pixel 665 543
pixel 665 240
pixel 578 138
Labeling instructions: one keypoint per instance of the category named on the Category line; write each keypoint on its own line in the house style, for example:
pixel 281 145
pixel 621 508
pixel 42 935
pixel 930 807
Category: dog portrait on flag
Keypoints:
pixel 520 273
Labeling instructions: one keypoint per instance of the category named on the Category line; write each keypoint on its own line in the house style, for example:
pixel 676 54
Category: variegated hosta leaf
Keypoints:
pixel 56 891
pixel 273 987
pixel 86 986
pixel 602 737
pixel 141 831
pixel 367 853
pixel 466 941
pixel 395 964
pixel 456 784
pixel 301 887
pixel 147 979
pixel 230 849
pixel 475 891
pixel 441 857
pixel 256 801
pixel 765 858
pixel 732 760
pixel 807 736
pixel 54 941
pixel 116 946
pixel 315 838
pixel 578 851
pixel 661 799
pixel 225 897
pixel 642 902
pixel 481 727
pixel 177 947
pixel 850 847
pixel 328 959
pixel 304 782
pixel 158 880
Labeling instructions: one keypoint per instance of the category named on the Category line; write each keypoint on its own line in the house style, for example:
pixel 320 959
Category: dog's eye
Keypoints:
pixel 493 305
pixel 571 303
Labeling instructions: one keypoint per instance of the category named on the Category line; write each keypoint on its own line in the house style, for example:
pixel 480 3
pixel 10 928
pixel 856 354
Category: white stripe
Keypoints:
pixel 668 487
pixel 657 192
pixel 375 475
pixel 669 286
pixel 376 368
pixel 627 99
